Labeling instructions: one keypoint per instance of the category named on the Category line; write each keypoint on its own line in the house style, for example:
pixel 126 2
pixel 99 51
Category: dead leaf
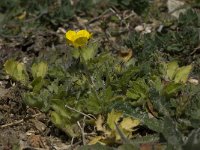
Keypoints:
pixel 36 141
pixel 22 16
pixel 129 123
pixel 113 117
pixel 96 139
pixel 126 127
pixel 126 54
pixel 151 109
pixel 99 123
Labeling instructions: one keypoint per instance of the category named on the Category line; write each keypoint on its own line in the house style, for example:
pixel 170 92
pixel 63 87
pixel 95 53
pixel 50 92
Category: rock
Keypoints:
pixel 193 81
pixel 139 28
pixel 174 7
pixel 39 125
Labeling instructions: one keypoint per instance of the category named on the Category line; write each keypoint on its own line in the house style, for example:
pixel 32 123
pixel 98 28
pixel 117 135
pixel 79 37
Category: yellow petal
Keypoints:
pixel 81 41
pixel 70 35
pixel 83 33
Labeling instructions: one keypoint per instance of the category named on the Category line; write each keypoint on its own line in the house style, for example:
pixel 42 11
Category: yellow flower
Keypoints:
pixel 78 39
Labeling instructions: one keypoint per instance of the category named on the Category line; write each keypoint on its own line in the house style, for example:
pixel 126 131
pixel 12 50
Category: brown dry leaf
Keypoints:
pixel 126 55
pixel 151 109
pixel 152 146
pixel 22 16
pixel 36 141
pixel 82 22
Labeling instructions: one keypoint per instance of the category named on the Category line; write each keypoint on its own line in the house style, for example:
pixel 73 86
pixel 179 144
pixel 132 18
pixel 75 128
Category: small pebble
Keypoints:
pixel 139 28
pixel 193 81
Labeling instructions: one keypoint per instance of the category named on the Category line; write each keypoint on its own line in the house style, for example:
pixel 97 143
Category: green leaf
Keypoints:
pixel 132 94
pixel 16 70
pixel 89 51
pixel 10 67
pixel 106 96
pixel 138 89
pixel 156 83
pixel 182 74
pixel 40 100
pixel 193 141
pixel 56 118
pixel 39 70
pixel 171 133
pixel 32 100
pixel 58 106
pixel 171 69
pixel 172 88
pixel 64 118
pixel 57 72
pixel 93 104
pixel 146 139
pixel 64 124
pixel 75 53
pixel 37 84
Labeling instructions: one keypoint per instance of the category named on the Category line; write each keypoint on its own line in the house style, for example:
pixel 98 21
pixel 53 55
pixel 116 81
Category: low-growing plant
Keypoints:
pixel 118 97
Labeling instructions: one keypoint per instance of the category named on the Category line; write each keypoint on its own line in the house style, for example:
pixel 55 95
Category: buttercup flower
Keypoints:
pixel 78 39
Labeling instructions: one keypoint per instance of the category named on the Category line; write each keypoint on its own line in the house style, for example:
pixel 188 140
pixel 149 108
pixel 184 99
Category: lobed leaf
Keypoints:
pixel 16 70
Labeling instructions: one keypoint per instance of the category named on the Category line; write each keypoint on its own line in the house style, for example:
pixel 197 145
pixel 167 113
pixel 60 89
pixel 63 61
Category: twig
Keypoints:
pixel 195 50
pixel 112 10
pixel 37 17
pixel 124 139
pixel 78 111
pixel 99 17
pixel 72 141
pixel 19 121
pixel 82 132
pixel 75 144
pixel 104 13
pixel 132 14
